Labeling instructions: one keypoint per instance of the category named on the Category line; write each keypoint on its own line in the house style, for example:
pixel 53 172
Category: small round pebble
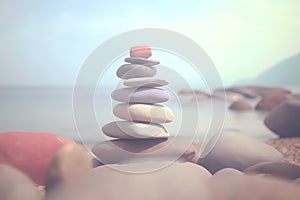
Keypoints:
pixel 141 61
pixel 140 51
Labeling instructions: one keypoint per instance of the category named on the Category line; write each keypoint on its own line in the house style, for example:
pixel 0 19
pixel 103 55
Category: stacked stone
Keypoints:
pixel 140 100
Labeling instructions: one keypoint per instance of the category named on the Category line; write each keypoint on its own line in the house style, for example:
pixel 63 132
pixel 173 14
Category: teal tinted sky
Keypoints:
pixel 44 43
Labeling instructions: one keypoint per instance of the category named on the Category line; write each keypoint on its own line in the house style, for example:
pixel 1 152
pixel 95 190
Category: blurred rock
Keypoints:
pixel 240 105
pixel 201 97
pixel 238 151
pixel 276 169
pixel 228 172
pixel 271 100
pixel 177 181
pixel 228 96
pixel 244 91
pixel 297 181
pixel 120 150
pixel 263 90
pixel 254 91
pixel 296 96
pixel 251 187
pixel 192 91
pixel 14 185
pixel 69 162
pixel 30 152
pixel 284 119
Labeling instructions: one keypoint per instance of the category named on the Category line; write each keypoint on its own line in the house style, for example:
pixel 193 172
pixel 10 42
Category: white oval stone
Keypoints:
pixel 134 130
pixel 142 61
pixel 140 95
pixel 145 82
pixel 144 113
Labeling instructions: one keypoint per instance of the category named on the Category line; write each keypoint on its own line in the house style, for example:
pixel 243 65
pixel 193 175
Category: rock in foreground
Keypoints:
pixel 178 181
pixel 250 188
pixel 69 162
pixel 238 151
pixel 120 150
pixel 30 152
pixel 14 185
pixel 276 169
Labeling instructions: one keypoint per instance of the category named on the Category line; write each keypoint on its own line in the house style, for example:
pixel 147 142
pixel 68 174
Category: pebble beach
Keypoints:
pixel 255 156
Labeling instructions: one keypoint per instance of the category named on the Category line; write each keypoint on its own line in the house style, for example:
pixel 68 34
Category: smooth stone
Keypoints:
pixel 297 181
pixel 140 95
pixel 141 51
pixel 69 162
pixel 192 91
pixel 120 150
pixel 244 91
pixel 296 96
pixel 134 130
pixel 30 152
pixel 200 97
pixel 240 105
pixel 271 100
pixel 144 113
pixel 142 61
pixel 14 185
pixel 41 189
pixel 177 181
pixel 284 119
pixel 146 82
pixel 251 187
pixel 253 91
pixel 263 90
pixel 128 71
pixel 229 172
pixel 238 151
pixel 227 96
pixel 276 169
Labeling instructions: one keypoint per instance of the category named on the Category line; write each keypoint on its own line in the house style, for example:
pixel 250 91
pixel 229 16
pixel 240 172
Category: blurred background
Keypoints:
pixel 44 43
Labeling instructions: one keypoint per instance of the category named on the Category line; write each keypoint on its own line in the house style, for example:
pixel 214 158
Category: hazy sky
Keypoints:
pixel 45 42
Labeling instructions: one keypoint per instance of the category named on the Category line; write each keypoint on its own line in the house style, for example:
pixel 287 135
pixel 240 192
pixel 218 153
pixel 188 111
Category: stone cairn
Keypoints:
pixel 140 100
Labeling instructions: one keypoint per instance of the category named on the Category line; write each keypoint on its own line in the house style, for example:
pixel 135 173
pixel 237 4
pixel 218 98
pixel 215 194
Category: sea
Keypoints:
pixel 81 115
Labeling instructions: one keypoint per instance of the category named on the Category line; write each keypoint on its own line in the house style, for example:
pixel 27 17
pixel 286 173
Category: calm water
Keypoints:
pixel 50 110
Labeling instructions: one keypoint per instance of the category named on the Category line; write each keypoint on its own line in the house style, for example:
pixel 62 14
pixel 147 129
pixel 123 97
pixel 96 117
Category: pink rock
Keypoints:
pixel 140 51
pixel 30 152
